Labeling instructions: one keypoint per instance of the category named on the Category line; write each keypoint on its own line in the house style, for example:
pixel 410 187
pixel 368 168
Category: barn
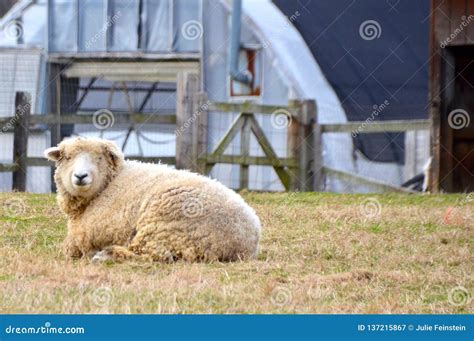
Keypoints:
pixel 451 106
pixel 79 57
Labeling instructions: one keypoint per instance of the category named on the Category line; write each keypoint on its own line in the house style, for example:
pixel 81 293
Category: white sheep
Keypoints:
pixel 122 210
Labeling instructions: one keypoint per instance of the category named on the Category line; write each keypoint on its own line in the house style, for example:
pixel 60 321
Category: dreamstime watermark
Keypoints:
pixel 452 212
pixel 102 296
pixel 280 118
pixel 281 296
pixel 459 119
pixel 102 32
pixel 318 291
pixel 464 23
pixel 192 30
pixel 377 110
pixel 20 111
pixel 291 196
pixel 13 30
pixel 103 119
pixel 393 4
pixel 370 208
pixel 46 329
pixel 292 18
pixel 192 208
pixel 288 23
pixel 14 207
pixel 459 296
pixel 469 197
pixel 203 108
pixel 370 30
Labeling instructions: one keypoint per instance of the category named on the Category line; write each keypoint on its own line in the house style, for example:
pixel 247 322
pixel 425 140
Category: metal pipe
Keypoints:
pixel 234 48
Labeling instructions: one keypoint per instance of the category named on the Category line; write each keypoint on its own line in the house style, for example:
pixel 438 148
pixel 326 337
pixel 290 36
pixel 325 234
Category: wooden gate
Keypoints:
pixel 299 170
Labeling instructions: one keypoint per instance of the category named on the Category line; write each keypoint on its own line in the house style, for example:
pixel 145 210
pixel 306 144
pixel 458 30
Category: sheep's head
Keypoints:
pixel 84 166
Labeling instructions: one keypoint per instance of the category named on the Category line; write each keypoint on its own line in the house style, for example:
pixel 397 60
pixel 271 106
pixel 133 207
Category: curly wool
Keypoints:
pixel 159 213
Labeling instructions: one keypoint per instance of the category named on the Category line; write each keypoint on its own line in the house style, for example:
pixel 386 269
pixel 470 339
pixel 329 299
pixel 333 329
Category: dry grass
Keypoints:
pixel 319 254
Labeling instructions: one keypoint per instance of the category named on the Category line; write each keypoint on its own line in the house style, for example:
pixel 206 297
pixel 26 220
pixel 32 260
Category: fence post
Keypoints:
pixel 200 142
pixel 55 97
pixel 20 139
pixel 186 89
pixel 304 144
pixel 244 152
pixel 311 149
pixel 292 141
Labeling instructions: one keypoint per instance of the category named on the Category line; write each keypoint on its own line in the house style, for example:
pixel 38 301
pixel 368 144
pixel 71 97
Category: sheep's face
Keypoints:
pixel 84 167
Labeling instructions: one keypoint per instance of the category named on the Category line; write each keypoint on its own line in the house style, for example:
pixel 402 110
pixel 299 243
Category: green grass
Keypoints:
pixel 320 253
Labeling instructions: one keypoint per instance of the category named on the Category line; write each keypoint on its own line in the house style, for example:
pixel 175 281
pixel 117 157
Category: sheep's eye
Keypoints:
pixel 100 158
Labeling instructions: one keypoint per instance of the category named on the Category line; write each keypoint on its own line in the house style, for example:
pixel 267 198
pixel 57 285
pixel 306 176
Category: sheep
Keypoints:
pixel 122 210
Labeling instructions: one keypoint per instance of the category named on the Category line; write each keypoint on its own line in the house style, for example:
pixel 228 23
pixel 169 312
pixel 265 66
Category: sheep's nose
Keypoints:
pixel 81 176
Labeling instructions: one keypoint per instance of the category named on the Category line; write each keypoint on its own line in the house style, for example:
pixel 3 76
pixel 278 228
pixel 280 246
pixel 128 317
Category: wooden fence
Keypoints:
pixel 22 124
pixel 301 169
pixel 364 127
pixel 295 171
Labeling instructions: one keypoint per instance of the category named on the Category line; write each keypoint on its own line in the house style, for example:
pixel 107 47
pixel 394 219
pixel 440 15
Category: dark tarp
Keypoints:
pixel 390 64
pixel 5 6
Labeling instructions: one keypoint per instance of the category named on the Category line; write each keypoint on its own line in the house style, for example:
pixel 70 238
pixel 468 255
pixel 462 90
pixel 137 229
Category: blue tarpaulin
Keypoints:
pixel 372 52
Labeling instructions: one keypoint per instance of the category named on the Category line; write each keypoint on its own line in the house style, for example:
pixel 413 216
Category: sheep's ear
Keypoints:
pixel 114 155
pixel 53 153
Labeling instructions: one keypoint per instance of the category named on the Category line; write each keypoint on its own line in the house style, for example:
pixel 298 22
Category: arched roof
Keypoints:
pixel 293 58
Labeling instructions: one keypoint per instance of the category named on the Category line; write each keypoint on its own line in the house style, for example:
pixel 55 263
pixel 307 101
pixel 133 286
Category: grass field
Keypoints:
pixel 320 253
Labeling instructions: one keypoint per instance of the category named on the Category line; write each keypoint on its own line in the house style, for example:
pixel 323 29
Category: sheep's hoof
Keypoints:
pixel 101 256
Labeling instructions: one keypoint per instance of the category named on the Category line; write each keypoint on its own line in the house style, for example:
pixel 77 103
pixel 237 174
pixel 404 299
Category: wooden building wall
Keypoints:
pixel 451 90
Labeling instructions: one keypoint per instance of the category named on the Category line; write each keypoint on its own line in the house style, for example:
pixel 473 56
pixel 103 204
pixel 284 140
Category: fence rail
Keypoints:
pixel 354 178
pixel 247 107
pixel 42 162
pixel 376 126
pixel 21 125
pixel 88 118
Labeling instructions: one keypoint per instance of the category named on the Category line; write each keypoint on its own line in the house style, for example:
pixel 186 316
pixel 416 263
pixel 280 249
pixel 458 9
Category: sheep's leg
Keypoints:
pixel 71 249
pixel 75 245
pixel 118 254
